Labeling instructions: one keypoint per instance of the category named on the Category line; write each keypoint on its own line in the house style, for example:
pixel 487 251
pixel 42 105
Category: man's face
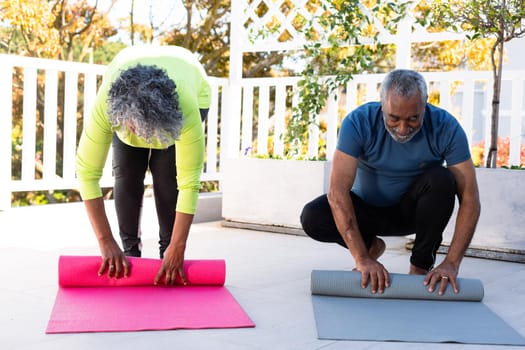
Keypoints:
pixel 403 116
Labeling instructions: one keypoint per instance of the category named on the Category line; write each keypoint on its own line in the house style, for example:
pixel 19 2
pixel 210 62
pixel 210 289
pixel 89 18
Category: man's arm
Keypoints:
pixel 466 221
pixel 342 176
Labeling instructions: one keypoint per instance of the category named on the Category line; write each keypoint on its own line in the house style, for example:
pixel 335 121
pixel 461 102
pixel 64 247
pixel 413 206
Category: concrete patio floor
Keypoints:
pixel 268 274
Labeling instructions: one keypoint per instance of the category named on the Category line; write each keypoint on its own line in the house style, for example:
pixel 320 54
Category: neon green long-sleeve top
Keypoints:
pixel 194 93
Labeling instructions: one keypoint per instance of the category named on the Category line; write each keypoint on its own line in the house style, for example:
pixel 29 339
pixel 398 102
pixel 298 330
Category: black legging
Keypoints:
pixel 424 210
pixel 129 168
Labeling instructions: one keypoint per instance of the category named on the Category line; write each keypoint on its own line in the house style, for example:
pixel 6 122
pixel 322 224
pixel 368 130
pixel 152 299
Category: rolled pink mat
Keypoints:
pixel 82 271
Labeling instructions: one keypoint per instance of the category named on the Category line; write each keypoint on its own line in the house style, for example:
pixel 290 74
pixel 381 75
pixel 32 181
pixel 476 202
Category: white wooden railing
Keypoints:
pixel 38 81
pixel 241 120
pixel 467 95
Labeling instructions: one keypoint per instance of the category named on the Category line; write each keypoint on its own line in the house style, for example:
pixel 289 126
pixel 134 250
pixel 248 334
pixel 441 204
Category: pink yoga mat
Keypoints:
pixel 81 271
pixel 86 302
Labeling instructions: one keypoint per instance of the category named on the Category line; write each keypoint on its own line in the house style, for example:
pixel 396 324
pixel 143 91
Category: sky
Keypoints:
pixel 168 12
pixel 515 51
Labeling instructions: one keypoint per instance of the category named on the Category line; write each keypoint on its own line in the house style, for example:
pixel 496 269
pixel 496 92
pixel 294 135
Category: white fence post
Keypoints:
pixel 231 97
pixel 70 123
pixel 50 125
pixel 263 125
pixel 332 118
pixel 6 97
pixel 230 121
pixel 247 119
pixel 29 124
pixel 279 120
pixel 212 132
pixel 467 110
pixel 516 122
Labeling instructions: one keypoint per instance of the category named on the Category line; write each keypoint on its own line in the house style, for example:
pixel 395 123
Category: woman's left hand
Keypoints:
pixel 172 268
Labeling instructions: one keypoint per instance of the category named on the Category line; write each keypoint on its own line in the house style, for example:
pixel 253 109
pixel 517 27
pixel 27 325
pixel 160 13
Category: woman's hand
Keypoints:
pixel 172 266
pixel 114 262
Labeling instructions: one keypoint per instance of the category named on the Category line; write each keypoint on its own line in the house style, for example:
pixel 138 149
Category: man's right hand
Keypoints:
pixel 114 262
pixel 374 272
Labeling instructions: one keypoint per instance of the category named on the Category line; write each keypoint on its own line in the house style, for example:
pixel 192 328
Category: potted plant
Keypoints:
pixel 499 233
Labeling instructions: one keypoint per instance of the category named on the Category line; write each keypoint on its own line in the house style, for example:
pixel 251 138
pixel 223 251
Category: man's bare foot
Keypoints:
pixel 377 249
pixel 414 270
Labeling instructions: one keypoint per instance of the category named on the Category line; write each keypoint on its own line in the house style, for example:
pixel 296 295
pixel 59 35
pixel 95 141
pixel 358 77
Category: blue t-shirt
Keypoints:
pixel 386 168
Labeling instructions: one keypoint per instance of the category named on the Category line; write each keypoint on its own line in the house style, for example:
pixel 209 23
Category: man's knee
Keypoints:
pixel 318 223
pixel 308 220
pixel 316 218
pixel 441 180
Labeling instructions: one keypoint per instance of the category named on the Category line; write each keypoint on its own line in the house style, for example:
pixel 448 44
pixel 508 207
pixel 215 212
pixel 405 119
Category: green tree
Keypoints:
pixel 501 20
pixel 348 44
pixel 107 51
pixel 206 31
pixel 54 29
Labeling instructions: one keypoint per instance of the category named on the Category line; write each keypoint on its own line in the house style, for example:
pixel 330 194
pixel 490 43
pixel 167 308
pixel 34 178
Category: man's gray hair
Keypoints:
pixel 146 97
pixel 405 83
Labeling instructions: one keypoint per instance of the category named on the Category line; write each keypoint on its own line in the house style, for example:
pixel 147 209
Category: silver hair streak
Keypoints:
pixel 406 83
pixel 146 98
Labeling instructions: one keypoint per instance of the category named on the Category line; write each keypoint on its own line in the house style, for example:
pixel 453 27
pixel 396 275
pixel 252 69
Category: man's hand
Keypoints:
pixel 114 262
pixel 445 273
pixel 172 266
pixel 373 271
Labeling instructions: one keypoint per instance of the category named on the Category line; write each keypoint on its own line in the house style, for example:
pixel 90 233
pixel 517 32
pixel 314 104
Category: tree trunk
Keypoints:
pixel 492 155
pixel 189 14
pixel 132 23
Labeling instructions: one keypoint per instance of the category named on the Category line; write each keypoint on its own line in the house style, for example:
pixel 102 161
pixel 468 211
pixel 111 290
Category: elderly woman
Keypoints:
pixel 150 108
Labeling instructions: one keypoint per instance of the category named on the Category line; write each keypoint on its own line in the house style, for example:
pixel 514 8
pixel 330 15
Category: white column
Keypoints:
pixel 516 121
pixel 231 111
pixel 403 42
pixel 6 76
pixel 236 40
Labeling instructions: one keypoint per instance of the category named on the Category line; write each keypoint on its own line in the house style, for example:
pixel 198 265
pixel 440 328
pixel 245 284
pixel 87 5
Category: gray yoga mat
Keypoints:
pixel 406 311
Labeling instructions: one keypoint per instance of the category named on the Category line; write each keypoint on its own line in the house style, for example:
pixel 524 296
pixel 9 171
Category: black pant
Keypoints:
pixel 424 210
pixel 129 168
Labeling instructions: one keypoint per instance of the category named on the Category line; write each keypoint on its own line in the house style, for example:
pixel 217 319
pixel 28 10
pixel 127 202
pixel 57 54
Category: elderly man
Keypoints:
pixel 150 107
pixel 398 166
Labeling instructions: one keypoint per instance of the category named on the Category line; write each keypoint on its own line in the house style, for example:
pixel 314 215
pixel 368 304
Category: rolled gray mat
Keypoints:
pixel 405 311
pixel 348 284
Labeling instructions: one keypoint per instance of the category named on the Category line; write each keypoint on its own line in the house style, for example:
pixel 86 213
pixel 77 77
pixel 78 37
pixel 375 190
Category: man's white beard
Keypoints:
pixel 402 139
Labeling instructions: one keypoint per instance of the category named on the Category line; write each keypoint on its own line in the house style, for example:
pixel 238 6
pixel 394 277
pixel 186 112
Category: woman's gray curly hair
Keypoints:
pixel 146 97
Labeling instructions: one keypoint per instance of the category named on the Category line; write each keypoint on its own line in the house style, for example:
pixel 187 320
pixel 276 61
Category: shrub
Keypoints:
pixel 478 153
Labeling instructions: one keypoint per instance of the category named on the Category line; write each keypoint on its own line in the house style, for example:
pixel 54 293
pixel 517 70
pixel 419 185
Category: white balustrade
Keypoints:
pixel 247 115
